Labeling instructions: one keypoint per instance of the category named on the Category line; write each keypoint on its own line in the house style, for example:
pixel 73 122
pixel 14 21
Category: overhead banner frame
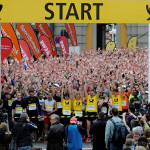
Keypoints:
pixel 75 11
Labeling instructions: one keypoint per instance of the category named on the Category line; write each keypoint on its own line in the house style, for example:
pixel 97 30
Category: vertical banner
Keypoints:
pixel 110 46
pixel 123 35
pixel 64 46
pixel 25 51
pixel 44 29
pixel 29 36
pixel 72 33
pixel 8 31
pixel 46 45
pixel 6 48
pixel 132 43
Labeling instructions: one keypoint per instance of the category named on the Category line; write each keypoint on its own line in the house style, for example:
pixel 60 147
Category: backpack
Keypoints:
pixel 120 132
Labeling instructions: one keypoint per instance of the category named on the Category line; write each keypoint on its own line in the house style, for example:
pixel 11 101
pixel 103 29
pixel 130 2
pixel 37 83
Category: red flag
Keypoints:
pixel 64 46
pixel 44 29
pixel 25 51
pixel 27 32
pixel 72 33
pixel 8 31
pixel 46 45
pixel 6 48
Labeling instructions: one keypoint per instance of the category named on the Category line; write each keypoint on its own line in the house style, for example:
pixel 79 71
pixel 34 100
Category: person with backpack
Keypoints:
pixel 115 132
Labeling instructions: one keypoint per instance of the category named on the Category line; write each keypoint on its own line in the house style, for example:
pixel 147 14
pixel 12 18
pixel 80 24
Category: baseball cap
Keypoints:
pixel 106 92
pixel 73 120
pixel 146 92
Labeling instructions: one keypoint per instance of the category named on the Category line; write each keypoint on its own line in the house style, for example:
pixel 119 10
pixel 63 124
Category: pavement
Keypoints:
pixel 86 146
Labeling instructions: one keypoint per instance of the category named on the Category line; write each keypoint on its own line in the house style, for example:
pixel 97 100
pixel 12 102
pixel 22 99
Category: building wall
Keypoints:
pixel 80 32
pixel 140 30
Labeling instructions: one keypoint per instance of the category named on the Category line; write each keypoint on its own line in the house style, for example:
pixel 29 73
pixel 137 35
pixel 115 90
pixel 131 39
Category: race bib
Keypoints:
pixel 116 106
pixel 104 110
pixel 10 102
pixel 78 114
pixel 67 112
pixel 49 107
pixel 18 110
pixel 59 105
pixel 123 103
pixel 32 106
pixel 91 107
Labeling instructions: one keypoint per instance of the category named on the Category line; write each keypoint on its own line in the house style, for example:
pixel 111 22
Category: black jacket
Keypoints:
pixel 98 132
pixel 22 133
pixel 55 136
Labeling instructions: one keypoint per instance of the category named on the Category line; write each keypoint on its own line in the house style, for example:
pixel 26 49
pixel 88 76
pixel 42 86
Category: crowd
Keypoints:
pixel 104 93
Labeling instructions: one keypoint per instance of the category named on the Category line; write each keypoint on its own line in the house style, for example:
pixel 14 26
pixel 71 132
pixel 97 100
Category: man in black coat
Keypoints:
pixel 55 134
pixel 22 132
pixel 98 132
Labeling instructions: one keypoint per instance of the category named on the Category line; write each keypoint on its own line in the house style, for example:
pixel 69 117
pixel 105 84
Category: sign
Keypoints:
pixel 25 51
pixel 6 48
pixel 8 31
pixel 57 39
pixel 46 45
pixel 29 36
pixel 75 11
pixel 110 46
pixel 44 29
pixel 64 46
pixel 72 33
pixel 132 43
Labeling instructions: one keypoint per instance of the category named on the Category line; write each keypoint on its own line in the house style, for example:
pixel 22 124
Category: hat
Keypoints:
pixel 146 92
pixel 123 86
pixel 73 120
pixel 106 92
pixel 57 85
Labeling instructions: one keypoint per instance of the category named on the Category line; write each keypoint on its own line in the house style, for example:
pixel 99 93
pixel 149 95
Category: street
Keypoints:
pixel 86 146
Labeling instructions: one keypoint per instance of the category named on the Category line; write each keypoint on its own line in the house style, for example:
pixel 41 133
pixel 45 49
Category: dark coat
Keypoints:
pixel 55 137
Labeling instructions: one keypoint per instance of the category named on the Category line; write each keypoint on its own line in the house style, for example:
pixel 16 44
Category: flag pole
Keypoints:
pixel 0 65
pixel 149 62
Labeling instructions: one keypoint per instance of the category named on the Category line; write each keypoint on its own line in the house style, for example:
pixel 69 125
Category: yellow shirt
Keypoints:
pixel 91 103
pixel 117 101
pixel 77 105
pixel 66 107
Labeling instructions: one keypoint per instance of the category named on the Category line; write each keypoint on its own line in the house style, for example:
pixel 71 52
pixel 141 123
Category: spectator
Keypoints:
pixel 73 133
pixel 130 143
pixel 98 132
pixel 109 132
pixel 126 148
pixel 5 136
pixel 22 132
pixel 136 135
pixel 55 134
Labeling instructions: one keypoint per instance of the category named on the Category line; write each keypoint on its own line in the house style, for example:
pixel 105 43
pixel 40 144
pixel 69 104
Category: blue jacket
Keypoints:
pixel 74 138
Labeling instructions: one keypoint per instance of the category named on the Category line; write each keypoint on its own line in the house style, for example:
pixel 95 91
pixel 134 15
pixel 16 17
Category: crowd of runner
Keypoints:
pixel 82 86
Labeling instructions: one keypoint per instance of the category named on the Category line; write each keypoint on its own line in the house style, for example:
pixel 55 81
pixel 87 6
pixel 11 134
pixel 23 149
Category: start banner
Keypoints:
pixel 75 11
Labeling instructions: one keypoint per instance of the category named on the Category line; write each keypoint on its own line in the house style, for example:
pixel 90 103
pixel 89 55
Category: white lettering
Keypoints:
pixel 45 48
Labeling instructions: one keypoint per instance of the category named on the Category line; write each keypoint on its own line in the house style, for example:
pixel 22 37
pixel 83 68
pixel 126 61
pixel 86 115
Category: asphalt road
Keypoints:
pixel 86 146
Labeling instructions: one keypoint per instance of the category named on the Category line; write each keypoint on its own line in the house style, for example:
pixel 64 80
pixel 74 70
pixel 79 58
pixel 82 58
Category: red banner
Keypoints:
pixel 72 33
pixel 44 29
pixel 25 51
pixel 8 31
pixel 29 36
pixel 6 48
pixel 46 45
pixel 64 46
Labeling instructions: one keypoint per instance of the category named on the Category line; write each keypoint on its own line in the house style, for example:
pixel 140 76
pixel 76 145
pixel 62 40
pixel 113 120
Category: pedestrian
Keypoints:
pixel 98 132
pixel 74 134
pixel 5 136
pixel 55 134
pixel 115 133
pixel 22 132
